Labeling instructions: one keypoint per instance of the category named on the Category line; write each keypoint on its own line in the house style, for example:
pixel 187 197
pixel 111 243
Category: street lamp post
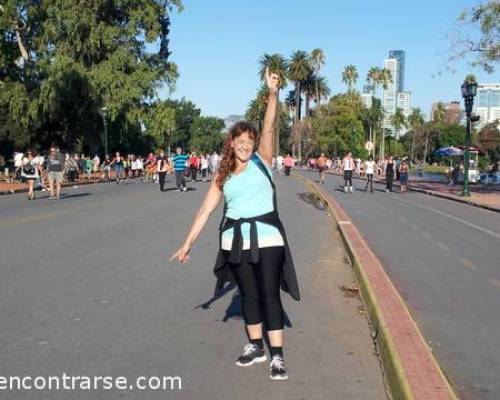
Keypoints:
pixel 105 125
pixel 352 139
pixel 469 91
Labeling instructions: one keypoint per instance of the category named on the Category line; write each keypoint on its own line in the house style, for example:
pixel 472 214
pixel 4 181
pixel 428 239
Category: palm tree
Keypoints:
pixel 278 65
pixel 385 77
pixel 322 89
pixel 398 121
pixel 257 107
pixel 298 70
pixel 439 113
pixel 416 121
pixel 350 76
pixel 375 118
pixel 317 61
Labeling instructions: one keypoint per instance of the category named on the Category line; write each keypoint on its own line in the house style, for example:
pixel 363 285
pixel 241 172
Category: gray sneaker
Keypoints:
pixel 278 370
pixel 251 354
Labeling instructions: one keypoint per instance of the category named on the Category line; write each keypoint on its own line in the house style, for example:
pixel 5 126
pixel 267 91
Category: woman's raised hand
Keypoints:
pixel 272 80
pixel 182 255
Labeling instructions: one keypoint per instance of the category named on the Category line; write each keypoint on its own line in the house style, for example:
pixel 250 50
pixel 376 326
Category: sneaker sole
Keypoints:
pixel 279 378
pixel 254 361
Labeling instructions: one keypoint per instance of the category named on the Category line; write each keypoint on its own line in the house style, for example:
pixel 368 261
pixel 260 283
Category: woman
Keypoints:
pixel 288 163
pixel 118 163
pixel 204 168
pixel 403 175
pixel 389 174
pixel 369 169
pixel 347 167
pixel 254 248
pixel 161 169
pixel 30 172
pixel 194 164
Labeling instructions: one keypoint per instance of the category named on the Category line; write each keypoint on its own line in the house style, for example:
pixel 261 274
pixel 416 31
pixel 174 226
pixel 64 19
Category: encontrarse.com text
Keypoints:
pixel 68 382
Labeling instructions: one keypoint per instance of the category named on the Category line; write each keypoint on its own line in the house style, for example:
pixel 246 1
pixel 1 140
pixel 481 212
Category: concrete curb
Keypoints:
pixel 411 370
pixel 435 194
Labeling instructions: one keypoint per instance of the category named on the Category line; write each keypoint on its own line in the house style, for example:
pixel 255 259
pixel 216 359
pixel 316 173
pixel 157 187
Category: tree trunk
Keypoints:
pixel 426 147
pixel 412 145
pixel 22 49
pixel 308 99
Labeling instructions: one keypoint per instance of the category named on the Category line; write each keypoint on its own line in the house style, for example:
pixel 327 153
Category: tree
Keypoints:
pixel 298 70
pixel 62 61
pixel 416 121
pixel 477 35
pixel 488 138
pixel 206 134
pixel 185 114
pixel 373 118
pixel 350 76
pixel 160 123
pixel 279 65
pixel 439 113
pixel 398 121
pixel 318 59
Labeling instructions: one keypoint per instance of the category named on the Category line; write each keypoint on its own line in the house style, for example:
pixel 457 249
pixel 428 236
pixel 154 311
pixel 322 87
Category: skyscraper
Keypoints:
pixel 394 96
pixel 487 103
pixel 400 56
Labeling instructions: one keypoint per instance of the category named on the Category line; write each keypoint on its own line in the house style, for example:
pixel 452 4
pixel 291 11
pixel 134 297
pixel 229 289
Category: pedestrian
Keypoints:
pixel 193 165
pixel 403 175
pixel 321 164
pixel 204 168
pixel 279 163
pixel 96 163
pixel 88 167
pixel 260 263
pixel 161 169
pixel 179 160
pixel 214 162
pixel 55 168
pixel 389 174
pixel 30 172
pixel 118 163
pixel 288 163
pixel 369 169
pixel 139 166
pixel 106 168
pixel 347 167
pixel 71 169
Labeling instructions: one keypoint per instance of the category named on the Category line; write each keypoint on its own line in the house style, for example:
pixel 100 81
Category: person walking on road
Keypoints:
pixel 179 160
pixel 30 172
pixel 118 163
pixel 389 174
pixel 55 168
pixel 321 164
pixel 369 170
pixel 194 165
pixel 254 250
pixel 347 167
pixel 403 175
pixel 288 163
pixel 161 169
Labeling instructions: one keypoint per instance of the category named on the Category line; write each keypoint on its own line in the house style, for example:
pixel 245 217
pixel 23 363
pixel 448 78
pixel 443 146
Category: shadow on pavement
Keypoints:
pixel 312 199
pixel 234 311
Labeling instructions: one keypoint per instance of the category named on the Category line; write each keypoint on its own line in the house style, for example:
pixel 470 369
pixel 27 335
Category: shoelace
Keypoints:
pixel 278 363
pixel 249 349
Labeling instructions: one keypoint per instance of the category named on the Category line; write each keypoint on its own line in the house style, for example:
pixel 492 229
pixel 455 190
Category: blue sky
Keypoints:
pixel 216 45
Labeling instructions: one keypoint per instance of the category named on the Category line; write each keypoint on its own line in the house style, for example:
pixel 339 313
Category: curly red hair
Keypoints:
pixel 228 163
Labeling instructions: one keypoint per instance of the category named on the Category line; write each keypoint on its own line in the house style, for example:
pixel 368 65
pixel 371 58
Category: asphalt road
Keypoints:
pixel 86 290
pixel 443 257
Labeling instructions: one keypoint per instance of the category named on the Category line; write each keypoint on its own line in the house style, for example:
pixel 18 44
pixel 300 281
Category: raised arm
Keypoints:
pixel 210 203
pixel 266 138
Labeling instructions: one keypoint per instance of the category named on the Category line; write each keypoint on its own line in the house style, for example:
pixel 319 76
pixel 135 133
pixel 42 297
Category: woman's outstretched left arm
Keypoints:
pixel 266 138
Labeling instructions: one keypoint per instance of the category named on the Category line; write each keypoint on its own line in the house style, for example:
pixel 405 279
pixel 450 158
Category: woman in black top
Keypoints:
pixel 389 174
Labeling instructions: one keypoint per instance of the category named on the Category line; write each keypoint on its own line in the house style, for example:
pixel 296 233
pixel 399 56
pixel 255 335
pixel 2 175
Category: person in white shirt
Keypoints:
pixel 347 167
pixel 214 162
pixel 204 168
pixel 279 163
pixel 369 169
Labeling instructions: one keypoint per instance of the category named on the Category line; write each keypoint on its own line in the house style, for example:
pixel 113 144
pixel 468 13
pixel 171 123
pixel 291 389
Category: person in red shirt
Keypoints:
pixel 194 164
pixel 288 162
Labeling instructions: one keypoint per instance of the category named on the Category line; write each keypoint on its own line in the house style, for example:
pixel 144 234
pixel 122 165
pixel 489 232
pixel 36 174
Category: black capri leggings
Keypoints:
pixel 259 286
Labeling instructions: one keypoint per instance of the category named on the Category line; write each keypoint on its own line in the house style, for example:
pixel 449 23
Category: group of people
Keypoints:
pixel 391 168
pixel 56 167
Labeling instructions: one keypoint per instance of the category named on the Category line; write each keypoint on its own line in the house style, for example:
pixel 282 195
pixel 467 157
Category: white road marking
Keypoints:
pixel 469 224
pixel 467 263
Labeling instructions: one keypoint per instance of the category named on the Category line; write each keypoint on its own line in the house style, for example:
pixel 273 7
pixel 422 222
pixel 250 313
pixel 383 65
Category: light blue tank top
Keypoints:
pixel 248 195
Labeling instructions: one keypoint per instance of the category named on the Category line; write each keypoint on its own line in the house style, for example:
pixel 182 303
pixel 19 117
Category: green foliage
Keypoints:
pixel 338 126
pixel 62 60
pixel 185 114
pixel 160 123
pixel 207 135
pixel 478 35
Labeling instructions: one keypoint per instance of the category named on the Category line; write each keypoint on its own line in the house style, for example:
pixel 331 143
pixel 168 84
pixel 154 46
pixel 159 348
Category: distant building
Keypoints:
pixel 395 96
pixel 403 102
pixel 453 114
pixel 367 95
pixel 487 103
pixel 231 120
